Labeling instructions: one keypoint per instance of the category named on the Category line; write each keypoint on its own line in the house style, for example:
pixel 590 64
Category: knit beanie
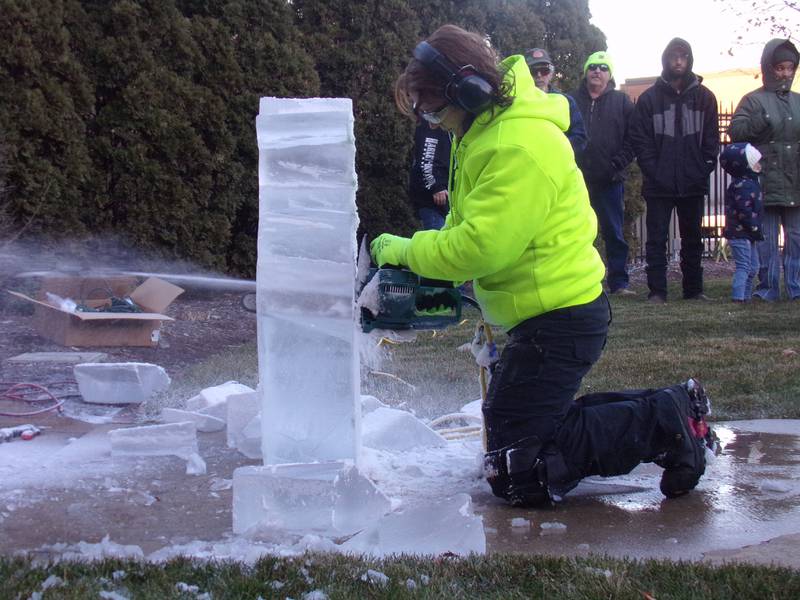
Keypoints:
pixel 600 58
pixel 783 53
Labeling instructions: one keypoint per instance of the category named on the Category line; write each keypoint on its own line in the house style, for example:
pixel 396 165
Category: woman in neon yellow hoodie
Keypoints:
pixel 521 227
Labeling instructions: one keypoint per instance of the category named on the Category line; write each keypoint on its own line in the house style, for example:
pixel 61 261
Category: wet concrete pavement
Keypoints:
pixel 63 487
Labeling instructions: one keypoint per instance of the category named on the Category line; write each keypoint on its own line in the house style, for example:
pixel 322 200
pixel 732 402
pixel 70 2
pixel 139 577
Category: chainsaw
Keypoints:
pixel 397 299
pixel 404 300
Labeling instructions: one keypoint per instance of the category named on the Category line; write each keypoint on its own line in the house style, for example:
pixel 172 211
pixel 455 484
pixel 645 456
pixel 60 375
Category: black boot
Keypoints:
pixel 685 462
pixel 517 474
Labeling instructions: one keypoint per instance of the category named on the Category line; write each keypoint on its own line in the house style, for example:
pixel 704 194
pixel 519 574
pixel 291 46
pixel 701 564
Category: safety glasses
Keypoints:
pixel 541 71
pixel 595 67
pixel 434 117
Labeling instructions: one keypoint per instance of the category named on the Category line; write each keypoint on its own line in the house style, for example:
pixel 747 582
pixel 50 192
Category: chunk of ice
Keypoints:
pixel 172 439
pixel 446 525
pixel 291 497
pixel 213 400
pixel 204 423
pixel 119 383
pixel 241 410
pixel 371 403
pixel 397 430
pixel 323 497
pixel 249 440
pixel 357 501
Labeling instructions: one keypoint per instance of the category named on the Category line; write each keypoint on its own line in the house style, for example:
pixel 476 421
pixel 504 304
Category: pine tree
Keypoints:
pixel 45 96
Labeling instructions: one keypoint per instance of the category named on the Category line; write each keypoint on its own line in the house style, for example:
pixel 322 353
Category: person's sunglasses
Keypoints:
pixel 595 67
pixel 540 71
pixel 434 117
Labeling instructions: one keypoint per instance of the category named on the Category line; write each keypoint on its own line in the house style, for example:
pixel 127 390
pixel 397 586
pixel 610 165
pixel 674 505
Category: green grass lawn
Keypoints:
pixel 338 577
pixel 747 356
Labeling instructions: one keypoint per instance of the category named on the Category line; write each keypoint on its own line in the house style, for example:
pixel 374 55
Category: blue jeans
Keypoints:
pixel 431 218
pixel 770 254
pixel 609 206
pixel 745 255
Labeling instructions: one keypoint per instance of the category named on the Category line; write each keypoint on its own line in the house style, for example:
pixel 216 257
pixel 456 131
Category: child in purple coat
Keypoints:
pixel 743 212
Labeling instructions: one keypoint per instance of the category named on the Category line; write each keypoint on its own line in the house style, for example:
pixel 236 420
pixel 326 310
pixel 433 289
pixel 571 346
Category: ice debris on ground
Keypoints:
pixel 397 430
pixel 203 423
pixel 119 383
pixel 552 527
pixel 87 551
pixel 520 522
pixel 53 581
pixel 171 439
pixel 438 526
pixel 776 485
pixel 375 578
pixel 320 497
pixel 106 595
pixel 315 595
pixel 213 400
pixel 242 409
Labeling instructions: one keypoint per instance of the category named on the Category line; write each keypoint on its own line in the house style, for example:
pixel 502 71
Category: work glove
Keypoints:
pixel 388 249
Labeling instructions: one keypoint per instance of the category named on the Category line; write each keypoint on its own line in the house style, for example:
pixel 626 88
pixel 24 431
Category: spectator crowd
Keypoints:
pixel 673 134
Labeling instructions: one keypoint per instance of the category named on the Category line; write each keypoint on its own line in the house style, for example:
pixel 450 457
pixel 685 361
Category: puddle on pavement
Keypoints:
pixel 750 493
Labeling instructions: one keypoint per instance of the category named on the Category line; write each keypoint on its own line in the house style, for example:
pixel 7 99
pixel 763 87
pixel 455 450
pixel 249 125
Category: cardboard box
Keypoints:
pixel 89 329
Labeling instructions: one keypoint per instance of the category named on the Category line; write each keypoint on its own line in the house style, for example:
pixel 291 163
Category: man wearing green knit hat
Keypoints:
pixel 606 112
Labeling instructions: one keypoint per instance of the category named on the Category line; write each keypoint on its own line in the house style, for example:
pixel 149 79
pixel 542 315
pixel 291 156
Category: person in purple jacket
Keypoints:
pixel 743 213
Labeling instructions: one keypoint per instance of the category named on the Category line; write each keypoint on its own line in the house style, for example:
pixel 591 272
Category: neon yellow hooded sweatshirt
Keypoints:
pixel 520 223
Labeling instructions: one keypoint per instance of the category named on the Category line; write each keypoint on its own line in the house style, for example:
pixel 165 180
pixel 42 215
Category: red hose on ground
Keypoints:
pixel 31 393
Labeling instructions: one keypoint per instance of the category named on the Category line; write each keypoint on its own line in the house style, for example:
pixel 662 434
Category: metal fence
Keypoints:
pixel 713 214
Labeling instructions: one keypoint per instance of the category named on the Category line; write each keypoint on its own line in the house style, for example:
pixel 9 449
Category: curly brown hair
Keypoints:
pixel 461 48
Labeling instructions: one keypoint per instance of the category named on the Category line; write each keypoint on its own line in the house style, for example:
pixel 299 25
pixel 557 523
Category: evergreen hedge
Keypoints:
pixel 135 118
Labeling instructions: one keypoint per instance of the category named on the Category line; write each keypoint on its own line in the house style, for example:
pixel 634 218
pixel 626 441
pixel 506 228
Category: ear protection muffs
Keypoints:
pixel 464 87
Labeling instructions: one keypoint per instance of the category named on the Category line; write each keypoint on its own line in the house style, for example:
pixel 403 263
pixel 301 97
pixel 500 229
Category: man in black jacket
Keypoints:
pixel 606 112
pixel 427 180
pixel 676 138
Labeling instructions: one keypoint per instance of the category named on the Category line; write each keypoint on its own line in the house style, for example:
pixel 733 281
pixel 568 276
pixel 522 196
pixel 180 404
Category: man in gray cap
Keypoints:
pixel 542 70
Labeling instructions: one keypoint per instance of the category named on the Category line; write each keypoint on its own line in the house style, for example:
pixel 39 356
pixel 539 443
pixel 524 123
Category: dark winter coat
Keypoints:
pixel 743 202
pixel 576 134
pixel 676 134
pixel 769 118
pixel 606 118
pixel 430 167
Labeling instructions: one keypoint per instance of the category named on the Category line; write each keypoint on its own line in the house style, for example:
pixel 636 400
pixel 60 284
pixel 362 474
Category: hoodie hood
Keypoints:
pixel 674 44
pixel 529 101
pixel 767 75
pixel 738 159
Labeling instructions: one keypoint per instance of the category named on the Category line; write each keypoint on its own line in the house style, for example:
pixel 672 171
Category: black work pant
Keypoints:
pixel 690 215
pixel 532 393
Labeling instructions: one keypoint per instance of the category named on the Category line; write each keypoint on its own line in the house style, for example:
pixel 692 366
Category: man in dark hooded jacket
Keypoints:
pixel 769 118
pixel 676 138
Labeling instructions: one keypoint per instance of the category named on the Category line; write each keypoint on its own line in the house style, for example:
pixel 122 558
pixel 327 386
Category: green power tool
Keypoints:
pixel 400 299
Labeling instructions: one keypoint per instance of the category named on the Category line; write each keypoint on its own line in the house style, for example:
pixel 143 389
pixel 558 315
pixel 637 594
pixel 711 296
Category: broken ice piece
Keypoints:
pixel 119 383
pixel 520 522
pixel 204 423
pixel 446 525
pixel 397 430
pixel 552 527
pixel 241 408
pixel 213 400
pixel 172 439
pixel 195 465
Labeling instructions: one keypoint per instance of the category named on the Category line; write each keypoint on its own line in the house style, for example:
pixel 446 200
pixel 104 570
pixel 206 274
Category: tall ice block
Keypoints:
pixel 308 358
